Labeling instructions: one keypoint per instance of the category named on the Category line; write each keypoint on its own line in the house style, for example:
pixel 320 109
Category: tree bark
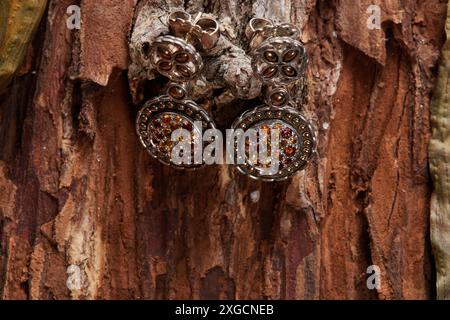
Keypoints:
pixel 440 170
pixel 81 199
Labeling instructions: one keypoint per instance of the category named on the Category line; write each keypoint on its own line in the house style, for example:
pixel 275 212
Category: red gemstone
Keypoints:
pixel 286 133
pixel 290 151
pixel 158 136
pixel 166 118
pixel 187 126
pixel 156 123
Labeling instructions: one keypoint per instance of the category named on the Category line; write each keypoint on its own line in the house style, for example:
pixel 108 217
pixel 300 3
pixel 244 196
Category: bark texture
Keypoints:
pixel 440 169
pixel 85 213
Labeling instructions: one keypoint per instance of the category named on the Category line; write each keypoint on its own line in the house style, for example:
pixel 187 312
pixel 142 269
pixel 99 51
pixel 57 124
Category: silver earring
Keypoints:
pixel 280 61
pixel 175 56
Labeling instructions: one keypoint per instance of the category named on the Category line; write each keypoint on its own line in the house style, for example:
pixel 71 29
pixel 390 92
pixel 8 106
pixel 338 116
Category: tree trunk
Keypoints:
pixel 86 213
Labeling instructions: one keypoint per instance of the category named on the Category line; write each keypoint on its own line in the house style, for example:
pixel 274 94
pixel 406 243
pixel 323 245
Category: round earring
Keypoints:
pixel 280 62
pixel 175 56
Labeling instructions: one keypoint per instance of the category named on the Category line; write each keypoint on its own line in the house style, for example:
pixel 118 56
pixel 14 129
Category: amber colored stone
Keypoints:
pixel 177 92
pixel 182 57
pixel 164 53
pixel 270 72
pixel 290 55
pixel 278 99
pixel 289 71
pixel 271 56
pixel 174 125
pixel 184 71
pixel 278 126
pixel 165 66
pixel 290 151
pixel 166 118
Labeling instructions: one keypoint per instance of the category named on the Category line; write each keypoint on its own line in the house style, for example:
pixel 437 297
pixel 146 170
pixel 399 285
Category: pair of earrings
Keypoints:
pixel 278 60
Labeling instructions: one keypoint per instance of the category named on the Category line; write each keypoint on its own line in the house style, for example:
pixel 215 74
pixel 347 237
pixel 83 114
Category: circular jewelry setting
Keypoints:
pixel 175 58
pixel 296 141
pixel 280 60
pixel 159 117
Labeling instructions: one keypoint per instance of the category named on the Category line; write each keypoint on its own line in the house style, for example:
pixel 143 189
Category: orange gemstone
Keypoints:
pixel 290 151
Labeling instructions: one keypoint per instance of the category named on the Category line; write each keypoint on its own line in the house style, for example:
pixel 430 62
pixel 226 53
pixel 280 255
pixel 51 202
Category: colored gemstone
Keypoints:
pixel 271 56
pixel 278 126
pixel 165 66
pixel 167 132
pixel 286 133
pixel 270 72
pixel 278 99
pixel 289 71
pixel 290 55
pixel 177 92
pixel 174 125
pixel 182 57
pixel 156 123
pixel 164 53
pixel 290 151
pixel 166 119
pixel 184 71
pixel 187 126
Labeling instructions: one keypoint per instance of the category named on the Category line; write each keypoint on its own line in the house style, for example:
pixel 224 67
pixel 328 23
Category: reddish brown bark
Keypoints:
pixel 77 189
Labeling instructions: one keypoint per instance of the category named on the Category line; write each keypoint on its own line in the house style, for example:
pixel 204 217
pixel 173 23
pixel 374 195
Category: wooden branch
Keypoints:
pixel 440 170
pixel 19 20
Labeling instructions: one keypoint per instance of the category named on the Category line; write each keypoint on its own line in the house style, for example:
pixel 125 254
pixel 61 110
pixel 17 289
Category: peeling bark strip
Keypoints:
pixel 440 170
pixel 85 213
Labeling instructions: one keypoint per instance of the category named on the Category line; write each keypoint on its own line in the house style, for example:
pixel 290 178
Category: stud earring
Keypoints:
pixel 175 56
pixel 279 61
